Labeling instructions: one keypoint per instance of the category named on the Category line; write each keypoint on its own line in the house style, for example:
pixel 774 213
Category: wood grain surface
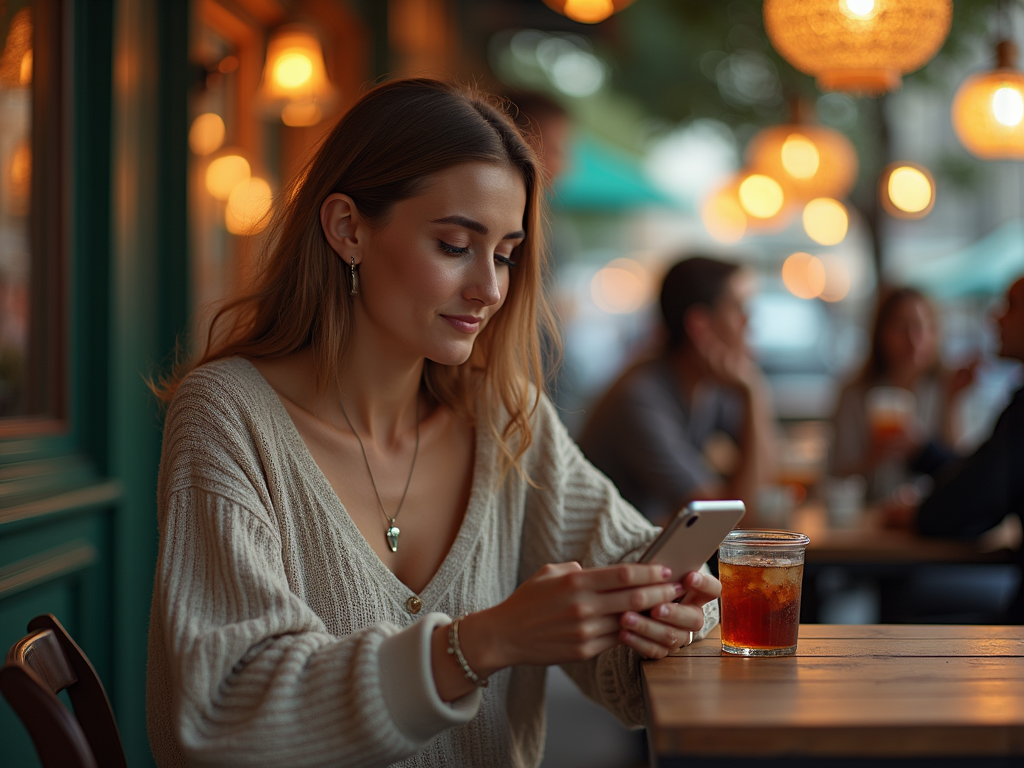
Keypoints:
pixel 851 691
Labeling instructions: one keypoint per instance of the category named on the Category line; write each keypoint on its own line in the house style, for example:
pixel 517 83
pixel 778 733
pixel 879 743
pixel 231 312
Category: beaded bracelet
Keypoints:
pixel 456 651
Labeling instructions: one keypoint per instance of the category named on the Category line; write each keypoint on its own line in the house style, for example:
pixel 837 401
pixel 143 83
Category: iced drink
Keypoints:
pixel 761 574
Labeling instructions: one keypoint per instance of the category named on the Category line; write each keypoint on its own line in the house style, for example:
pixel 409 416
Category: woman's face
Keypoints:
pixel 910 337
pixel 434 275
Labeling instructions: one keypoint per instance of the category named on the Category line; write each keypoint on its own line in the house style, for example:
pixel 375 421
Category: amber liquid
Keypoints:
pixel 760 605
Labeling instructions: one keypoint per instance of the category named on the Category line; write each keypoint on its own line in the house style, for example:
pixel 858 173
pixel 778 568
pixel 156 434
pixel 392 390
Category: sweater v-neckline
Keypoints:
pixel 457 555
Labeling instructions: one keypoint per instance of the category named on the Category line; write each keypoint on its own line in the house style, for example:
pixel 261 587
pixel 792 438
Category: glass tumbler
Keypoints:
pixel 761 574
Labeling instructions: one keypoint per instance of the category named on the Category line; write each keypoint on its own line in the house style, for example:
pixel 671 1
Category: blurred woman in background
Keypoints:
pixel 898 417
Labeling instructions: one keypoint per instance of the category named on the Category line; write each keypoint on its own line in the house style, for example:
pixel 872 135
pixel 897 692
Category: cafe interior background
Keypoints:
pixel 142 143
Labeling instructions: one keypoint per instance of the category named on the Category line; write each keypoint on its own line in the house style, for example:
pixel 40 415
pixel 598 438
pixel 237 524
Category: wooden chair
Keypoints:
pixel 38 667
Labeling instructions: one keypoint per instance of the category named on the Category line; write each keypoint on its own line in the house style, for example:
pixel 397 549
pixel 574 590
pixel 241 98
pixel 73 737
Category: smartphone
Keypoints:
pixel 693 536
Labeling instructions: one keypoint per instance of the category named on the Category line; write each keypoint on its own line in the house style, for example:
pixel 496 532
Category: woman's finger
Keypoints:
pixel 700 588
pixel 638 600
pixel 646 648
pixel 671 634
pixel 621 576
pixel 683 617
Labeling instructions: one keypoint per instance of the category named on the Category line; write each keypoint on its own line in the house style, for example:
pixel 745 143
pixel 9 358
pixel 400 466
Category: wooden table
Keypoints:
pixel 928 693
pixel 870 543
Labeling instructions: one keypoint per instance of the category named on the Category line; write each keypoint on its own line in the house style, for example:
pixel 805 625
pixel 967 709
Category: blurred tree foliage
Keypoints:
pixel 687 59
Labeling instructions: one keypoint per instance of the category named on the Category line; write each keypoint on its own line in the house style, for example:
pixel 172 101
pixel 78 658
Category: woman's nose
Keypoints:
pixel 483 286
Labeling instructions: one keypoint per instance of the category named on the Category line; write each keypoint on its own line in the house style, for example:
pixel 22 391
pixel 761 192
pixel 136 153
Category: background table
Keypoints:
pixel 926 693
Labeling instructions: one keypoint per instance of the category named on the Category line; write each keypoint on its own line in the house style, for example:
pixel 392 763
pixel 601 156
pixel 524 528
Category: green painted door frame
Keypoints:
pixel 78 534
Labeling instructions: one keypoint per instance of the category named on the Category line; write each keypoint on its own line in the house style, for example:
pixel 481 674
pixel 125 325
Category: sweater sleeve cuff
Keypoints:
pixel 407 683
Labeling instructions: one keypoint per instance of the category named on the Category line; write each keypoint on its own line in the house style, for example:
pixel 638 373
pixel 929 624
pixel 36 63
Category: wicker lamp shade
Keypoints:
pixel 587 11
pixel 862 46
pixel 808 160
pixel 988 110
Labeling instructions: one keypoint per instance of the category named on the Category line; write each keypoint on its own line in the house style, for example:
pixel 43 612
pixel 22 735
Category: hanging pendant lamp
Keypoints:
pixel 861 46
pixel 988 109
pixel 587 11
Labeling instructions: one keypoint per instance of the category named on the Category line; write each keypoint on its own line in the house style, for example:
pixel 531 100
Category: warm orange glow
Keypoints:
pixel 761 196
pixel 301 113
pixel 292 70
pixel 16 57
pixel 862 46
pixel 620 286
pixel 808 160
pixel 826 220
pixel 206 134
pixel 249 206
pixel 225 173
pixel 837 278
pixel 799 156
pixel 907 191
pixel 587 11
pixel 723 216
pixel 295 73
pixel 988 115
pixel 25 73
pixel 804 275
pixel 19 180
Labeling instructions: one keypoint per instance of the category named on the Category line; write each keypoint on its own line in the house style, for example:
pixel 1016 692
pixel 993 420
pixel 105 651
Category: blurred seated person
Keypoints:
pixel 650 432
pixel 974 495
pixel 897 417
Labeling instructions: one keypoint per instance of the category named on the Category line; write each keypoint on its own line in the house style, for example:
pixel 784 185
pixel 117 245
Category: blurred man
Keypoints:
pixel 973 495
pixel 651 432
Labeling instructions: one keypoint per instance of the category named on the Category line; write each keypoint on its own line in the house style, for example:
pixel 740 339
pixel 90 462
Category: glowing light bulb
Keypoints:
pixel 1008 106
pixel 860 9
pixel 804 275
pixel 909 189
pixel 588 11
pixel 25 73
pixel 826 220
pixel 226 173
pixel 249 206
pixel 761 196
pixel 800 157
pixel 293 69
pixel 206 134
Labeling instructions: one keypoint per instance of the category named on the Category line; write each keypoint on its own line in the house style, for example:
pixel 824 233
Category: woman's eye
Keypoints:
pixel 455 250
pixel 504 260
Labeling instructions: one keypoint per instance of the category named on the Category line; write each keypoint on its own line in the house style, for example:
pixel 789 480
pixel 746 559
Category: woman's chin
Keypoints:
pixel 451 354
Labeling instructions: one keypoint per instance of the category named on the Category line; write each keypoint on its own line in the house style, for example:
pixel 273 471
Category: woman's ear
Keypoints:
pixel 343 227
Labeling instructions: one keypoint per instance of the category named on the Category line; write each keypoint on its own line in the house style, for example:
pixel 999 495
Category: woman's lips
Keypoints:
pixel 464 323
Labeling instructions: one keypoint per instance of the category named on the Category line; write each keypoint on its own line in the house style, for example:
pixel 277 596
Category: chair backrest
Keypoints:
pixel 38 667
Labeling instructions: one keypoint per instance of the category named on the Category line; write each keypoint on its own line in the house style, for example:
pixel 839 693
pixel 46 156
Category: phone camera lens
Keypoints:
pixel 691 521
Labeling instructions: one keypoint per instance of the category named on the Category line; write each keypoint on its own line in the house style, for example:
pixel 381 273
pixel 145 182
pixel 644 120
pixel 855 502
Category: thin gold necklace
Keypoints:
pixel 392 530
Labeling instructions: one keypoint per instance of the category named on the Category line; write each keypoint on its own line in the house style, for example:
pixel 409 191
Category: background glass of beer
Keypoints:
pixel 761 574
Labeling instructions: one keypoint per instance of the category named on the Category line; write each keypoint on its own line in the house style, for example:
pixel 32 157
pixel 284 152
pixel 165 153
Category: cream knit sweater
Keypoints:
pixel 277 635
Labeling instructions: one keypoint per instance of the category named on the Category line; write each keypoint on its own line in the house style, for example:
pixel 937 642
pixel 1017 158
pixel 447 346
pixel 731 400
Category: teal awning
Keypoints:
pixel 985 267
pixel 602 177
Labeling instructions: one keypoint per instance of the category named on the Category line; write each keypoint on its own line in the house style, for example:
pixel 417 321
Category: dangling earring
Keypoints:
pixel 354 287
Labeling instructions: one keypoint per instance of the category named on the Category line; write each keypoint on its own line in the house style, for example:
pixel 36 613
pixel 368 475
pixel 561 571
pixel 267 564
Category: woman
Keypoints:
pixel 904 359
pixel 362 454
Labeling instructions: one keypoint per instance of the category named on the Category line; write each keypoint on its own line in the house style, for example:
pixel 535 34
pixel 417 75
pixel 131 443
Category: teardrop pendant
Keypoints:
pixel 392 536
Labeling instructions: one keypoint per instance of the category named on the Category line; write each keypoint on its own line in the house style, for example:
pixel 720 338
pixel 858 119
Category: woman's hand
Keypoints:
pixel 669 624
pixel 564 613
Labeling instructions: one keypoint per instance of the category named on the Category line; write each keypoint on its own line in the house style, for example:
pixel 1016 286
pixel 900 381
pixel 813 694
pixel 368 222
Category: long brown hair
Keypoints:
pixel 379 153
pixel 877 367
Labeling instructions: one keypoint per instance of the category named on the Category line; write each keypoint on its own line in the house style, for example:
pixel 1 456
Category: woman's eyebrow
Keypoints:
pixel 476 226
